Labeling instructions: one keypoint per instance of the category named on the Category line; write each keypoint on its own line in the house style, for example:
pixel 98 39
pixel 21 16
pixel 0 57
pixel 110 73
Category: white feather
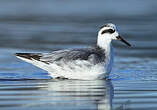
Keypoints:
pixel 79 69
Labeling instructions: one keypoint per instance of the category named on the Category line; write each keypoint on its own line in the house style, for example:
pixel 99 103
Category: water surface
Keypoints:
pixel 44 26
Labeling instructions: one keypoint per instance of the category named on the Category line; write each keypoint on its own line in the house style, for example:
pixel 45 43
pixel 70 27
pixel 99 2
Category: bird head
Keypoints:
pixel 110 32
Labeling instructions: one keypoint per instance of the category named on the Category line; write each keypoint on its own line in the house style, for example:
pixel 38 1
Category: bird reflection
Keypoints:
pixel 80 94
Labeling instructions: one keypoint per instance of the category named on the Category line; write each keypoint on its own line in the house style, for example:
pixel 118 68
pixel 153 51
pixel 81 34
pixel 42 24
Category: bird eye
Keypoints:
pixel 108 31
pixel 111 31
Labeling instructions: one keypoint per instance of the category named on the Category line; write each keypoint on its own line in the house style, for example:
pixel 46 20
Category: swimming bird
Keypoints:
pixel 83 63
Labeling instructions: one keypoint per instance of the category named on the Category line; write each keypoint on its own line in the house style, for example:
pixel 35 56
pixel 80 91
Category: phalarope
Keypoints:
pixel 85 63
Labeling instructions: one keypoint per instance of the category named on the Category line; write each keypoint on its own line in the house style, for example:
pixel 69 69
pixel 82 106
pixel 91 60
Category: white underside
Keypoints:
pixel 77 69
pixel 72 70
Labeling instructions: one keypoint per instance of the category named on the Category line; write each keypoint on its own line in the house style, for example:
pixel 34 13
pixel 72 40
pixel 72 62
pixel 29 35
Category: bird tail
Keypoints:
pixel 34 59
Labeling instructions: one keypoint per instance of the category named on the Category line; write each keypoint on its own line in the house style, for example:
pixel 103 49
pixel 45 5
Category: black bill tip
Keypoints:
pixel 124 41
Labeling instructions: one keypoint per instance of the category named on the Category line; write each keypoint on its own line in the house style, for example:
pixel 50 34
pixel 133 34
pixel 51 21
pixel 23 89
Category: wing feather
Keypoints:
pixel 92 54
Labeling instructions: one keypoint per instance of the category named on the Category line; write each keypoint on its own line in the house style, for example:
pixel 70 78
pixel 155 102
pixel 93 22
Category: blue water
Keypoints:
pixel 45 26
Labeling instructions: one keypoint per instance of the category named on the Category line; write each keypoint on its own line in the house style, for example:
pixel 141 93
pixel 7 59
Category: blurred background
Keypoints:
pixel 47 25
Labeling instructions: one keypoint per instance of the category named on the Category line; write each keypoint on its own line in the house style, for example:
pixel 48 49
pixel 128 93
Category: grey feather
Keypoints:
pixel 94 55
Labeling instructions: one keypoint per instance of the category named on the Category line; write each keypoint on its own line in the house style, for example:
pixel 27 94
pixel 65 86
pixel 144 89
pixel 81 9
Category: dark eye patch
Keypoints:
pixel 108 31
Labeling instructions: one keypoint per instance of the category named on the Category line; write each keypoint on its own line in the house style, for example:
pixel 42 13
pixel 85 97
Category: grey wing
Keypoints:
pixel 90 54
pixel 44 57
pixel 74 54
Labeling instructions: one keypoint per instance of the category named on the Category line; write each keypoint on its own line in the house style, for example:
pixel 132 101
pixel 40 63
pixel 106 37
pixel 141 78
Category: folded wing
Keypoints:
pixel 93 55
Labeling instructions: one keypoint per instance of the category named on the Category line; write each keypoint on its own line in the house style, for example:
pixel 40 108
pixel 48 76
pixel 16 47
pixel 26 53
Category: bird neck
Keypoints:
pixel 104 43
